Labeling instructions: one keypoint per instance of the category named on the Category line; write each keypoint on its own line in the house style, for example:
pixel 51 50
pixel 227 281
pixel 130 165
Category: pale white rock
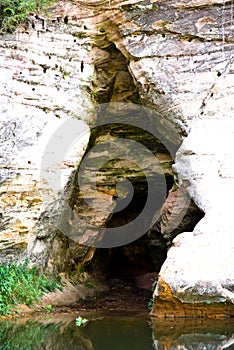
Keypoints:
pixel 41 89
pixel 199 266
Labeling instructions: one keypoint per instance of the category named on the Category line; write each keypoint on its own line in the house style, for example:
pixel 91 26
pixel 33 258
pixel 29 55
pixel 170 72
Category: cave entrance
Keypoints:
pixel 127 274
pixel 138 263
pixel 113 82
pixel 135 264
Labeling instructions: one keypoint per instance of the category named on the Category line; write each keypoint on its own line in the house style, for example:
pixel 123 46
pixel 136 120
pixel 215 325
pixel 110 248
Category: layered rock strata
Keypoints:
pixel 42 87
pixel 181 57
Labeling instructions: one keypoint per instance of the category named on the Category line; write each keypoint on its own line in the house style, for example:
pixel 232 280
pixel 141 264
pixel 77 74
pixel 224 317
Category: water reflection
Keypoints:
pixel 59 333
pixel 112 333
pixel 193 334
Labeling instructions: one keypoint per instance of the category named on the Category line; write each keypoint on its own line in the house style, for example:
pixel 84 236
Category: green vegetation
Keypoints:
pixel 80 35
pixel 20 284
pixel 27 335
pixel 48 308
pixel 151 301
pixel 89 285
pixel 150 304
pixel 80 321
pixel 13 12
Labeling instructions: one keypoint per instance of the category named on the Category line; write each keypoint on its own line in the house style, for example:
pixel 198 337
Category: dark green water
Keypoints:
pixel 112 333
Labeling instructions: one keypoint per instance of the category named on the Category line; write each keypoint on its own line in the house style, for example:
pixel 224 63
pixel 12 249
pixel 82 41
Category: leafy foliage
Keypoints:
pixel 20 284
pixel 13 12
pixel 80 321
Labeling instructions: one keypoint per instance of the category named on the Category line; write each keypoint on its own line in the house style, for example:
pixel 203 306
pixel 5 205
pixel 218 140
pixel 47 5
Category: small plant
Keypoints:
pixel 150 304
pixel 81 35
pixel 93 95
pixel 48 308
pixel 150 324
pixel 89 285
pixel 80 321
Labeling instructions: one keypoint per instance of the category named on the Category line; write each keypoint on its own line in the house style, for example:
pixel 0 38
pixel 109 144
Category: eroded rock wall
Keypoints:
pixel 42 87
pixel 181 56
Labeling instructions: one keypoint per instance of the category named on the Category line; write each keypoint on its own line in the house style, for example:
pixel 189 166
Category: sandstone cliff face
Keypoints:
pixel 42 86
pixel 173 57
pixel 181 57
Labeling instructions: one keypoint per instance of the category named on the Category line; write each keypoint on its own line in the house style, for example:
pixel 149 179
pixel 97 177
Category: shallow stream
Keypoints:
pixel 115 332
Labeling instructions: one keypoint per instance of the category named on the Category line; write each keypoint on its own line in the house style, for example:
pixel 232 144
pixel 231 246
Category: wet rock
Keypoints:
pixel 195 333
pixel 179 214
pixel 101 57
pixel 146 281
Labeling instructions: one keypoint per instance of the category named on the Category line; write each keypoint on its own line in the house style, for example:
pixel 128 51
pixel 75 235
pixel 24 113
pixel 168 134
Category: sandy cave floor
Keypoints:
pixel 112 297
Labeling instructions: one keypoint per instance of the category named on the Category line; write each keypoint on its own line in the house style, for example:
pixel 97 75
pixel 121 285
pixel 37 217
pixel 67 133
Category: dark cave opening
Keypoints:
pixel 130 261
pixel 138 263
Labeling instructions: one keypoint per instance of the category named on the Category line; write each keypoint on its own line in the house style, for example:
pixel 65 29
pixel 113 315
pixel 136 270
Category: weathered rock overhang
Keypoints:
pixel 121 116
pixel 180 55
